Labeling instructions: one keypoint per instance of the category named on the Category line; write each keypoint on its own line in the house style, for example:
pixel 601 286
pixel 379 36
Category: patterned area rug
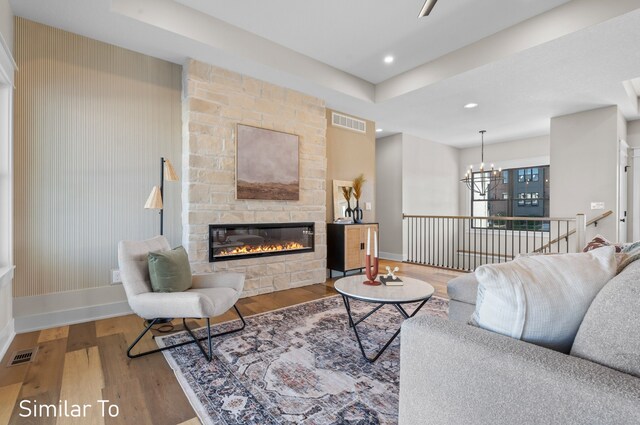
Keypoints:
pixel 300 364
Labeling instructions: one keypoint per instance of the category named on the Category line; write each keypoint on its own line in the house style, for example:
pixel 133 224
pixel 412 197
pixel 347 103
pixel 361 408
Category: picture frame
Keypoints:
pixel 267 164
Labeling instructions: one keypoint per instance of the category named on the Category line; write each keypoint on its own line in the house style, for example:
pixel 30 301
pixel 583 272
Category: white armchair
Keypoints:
pixel 210 294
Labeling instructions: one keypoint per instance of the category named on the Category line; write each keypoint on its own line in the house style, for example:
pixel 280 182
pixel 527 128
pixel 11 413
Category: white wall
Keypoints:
pixel 513 154
pixel 6 23
pixel 584 158
pixel 430 177
pixel 389 195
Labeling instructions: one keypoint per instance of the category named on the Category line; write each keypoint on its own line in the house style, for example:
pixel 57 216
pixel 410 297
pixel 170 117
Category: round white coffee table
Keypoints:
pixel 412 291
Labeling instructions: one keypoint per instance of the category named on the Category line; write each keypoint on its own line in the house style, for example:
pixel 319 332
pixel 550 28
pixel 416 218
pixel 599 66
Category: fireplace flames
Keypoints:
pixel 257 249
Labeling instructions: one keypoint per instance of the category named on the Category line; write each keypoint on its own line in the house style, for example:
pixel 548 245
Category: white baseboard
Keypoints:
pixel 68 308
pixel 390 256
pixel 6 337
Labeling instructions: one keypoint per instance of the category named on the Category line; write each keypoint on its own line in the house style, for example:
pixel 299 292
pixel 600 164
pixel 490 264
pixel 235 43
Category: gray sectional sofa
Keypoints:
pixel 454 373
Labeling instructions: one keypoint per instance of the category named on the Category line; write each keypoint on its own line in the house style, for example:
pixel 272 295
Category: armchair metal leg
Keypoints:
pixel 194 339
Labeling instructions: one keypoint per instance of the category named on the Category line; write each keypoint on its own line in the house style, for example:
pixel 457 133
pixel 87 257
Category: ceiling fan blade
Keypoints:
pixel 427 8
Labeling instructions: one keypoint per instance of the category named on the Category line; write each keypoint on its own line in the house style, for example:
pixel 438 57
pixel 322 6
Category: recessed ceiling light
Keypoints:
pixel 379 130
pixel 388 59
pixel 471 105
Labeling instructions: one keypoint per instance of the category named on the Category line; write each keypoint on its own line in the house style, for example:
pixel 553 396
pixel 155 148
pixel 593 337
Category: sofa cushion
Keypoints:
pixel 463 288
pixel 609 333
pixel 542 299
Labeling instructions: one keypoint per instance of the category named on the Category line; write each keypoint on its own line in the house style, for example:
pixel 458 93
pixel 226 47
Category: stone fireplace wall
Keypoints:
pixel 215 100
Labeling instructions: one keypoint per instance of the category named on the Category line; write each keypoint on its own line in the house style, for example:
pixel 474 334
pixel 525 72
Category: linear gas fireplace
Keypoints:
pixel 235 241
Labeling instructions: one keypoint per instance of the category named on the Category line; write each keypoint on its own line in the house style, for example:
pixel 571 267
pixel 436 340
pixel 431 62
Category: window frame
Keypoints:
pixel 7 69
pixel 521 198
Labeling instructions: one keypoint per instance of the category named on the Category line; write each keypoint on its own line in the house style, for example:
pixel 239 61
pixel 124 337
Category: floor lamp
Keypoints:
pixel 155 198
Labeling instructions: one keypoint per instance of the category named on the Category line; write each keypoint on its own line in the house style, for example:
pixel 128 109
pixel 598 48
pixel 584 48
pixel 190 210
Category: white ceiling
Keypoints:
pixel 355 35
pixel 568 59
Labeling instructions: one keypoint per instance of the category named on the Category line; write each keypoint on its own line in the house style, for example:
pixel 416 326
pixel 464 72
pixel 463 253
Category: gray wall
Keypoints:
pixel 92 121
pixel 389 194
pixel 584 158
pixel 633 134
pixel 430 177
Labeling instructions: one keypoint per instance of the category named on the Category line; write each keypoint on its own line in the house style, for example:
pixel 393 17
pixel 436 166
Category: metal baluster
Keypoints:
pixel 423 235
pixel 519 241
pixel 475 242
pixel 486 243
pixel 437 244
pixel 513 242
pixel 412 220
pixel 452 242
pixel 493 234
pixel 419 229
pixel 432 239
pixel 446 243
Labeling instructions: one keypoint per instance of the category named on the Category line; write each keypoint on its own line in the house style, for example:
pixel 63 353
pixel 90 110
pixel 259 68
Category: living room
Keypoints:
pixel 223 212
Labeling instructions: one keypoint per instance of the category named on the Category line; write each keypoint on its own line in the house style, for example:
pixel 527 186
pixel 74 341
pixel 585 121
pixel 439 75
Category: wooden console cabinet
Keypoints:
pixel 347 244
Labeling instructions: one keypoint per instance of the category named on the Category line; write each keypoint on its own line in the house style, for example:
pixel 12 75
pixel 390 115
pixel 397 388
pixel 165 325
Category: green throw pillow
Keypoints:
pixel 170 270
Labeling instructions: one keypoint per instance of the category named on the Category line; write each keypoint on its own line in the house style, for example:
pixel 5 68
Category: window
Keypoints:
pixel 534 199
pixel 520 192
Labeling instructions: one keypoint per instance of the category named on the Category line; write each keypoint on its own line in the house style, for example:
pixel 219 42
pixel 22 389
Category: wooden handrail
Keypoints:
pixel 461 217
pixel 571 232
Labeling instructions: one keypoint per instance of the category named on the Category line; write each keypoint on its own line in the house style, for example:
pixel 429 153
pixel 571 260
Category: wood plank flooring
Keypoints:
pixel 87 362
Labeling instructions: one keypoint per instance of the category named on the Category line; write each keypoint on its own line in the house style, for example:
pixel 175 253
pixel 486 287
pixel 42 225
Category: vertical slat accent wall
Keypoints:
pixel 91 123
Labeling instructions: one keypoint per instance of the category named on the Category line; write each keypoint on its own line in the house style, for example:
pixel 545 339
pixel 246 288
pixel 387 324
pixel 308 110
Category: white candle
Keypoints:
pixel 369 241
pixel 375 244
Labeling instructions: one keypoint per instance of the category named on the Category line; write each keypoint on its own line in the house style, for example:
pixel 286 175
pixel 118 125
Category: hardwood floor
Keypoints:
pixel 87 362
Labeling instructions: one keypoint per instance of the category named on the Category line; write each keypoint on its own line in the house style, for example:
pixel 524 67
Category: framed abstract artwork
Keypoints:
pixel 267 164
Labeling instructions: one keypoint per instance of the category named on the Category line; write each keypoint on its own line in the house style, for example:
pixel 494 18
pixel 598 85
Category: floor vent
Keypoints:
pixel 23 356
pixel 350 123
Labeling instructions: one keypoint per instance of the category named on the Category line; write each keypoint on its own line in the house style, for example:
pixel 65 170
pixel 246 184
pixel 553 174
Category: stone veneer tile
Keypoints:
pixel 215 102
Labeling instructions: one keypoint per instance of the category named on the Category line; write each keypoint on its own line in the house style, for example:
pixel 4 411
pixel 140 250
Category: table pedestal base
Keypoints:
pixel 353 324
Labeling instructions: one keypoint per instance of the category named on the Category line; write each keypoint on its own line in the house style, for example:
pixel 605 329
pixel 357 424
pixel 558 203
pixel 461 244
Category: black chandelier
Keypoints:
pixel 484 181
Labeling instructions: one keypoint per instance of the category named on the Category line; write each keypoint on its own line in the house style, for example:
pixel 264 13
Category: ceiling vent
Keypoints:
pixel 350 123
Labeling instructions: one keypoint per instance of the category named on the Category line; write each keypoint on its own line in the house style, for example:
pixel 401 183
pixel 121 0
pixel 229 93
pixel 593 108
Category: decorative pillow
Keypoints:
pixel 541 299
pixel 598 242
pixel 630 253
pixel 170 271
pixel 609 332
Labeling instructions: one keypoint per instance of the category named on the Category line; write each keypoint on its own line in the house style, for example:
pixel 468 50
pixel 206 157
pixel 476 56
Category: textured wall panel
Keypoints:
pixel 91 123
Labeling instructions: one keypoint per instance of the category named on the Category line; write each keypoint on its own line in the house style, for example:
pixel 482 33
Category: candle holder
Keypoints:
pixel 371 270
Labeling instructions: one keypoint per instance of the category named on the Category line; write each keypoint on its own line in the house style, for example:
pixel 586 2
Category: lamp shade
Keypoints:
pixel 155 199
pixel 169 172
